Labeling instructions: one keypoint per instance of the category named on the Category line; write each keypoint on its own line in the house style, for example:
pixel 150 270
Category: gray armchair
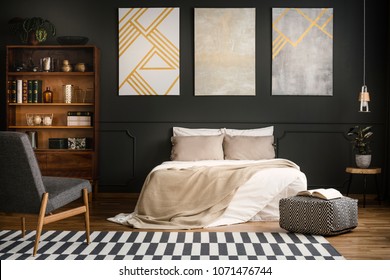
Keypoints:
pixel 24 191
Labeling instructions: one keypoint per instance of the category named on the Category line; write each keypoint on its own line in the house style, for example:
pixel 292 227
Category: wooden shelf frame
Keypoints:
pixel 82 163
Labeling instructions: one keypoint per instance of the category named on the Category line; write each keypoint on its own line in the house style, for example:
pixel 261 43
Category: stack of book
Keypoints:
pixel 25 91
pixel 79 118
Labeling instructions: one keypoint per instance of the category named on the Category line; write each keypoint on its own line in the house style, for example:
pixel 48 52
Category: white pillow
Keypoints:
pixel 183 131
pixel 263 131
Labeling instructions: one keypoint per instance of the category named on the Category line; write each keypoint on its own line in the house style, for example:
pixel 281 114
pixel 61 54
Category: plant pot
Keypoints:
pixel 363 161
pixel 32 39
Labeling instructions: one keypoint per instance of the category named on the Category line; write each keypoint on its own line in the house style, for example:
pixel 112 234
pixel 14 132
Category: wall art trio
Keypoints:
pixel 225 51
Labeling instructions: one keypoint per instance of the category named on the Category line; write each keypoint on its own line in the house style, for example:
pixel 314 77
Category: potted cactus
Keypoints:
pixel 33 30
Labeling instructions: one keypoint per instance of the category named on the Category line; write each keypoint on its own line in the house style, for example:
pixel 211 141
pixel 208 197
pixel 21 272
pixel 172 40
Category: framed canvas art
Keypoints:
pixel 302 51
pixel 149 53
pixel 225 45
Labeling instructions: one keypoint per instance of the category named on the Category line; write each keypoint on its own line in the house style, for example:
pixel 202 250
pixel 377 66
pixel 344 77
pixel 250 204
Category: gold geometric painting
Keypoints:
pixel 302 51
pixel 149 54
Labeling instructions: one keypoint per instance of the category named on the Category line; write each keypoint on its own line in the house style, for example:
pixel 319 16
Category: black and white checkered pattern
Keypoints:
pixel 71 245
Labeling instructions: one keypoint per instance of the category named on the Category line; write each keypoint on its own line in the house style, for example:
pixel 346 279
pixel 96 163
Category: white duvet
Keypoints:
pixel 256 200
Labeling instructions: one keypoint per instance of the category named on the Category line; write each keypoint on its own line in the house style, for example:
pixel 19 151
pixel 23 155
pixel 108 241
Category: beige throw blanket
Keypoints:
pixel 192 197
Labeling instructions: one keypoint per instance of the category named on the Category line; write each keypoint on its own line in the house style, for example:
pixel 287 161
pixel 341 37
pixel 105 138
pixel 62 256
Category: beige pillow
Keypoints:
pixel 262 131
pixel 183 131
pixel 190 148
pixel 248 147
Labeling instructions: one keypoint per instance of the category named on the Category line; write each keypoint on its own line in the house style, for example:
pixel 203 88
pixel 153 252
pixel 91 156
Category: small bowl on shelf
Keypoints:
pixel 30 119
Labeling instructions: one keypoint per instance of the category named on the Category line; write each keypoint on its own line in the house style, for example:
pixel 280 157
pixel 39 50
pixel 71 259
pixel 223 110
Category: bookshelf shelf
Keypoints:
pixel 43 74
pixel 62 151
pixel 49 127
pixel 71 162
pixel 51 104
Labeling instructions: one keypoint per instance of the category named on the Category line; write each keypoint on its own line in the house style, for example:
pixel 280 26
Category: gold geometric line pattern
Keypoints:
pixel 314 23
pixel 279 46
pixel 162 48
pixel 140 85
pixel 281 40
pixel 172 85
pixel 149 57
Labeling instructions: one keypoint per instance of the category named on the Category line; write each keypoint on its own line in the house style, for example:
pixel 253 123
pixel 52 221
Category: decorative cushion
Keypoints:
pixel 312 215
pixel 190 148
pixel 248 147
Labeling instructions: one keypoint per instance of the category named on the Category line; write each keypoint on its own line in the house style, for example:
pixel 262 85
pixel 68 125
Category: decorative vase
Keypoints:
pixel 48 95
pixel 32 39
pixel 68 93
pixel 80 67
pixel 363 161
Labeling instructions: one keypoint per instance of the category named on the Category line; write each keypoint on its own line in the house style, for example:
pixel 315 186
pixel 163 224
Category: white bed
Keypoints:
pixel 215 180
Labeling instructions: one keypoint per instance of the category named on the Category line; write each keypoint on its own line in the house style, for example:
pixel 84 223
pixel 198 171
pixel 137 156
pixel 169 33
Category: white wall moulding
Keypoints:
pixel 302 51
pixel 149 53
pixel 225 46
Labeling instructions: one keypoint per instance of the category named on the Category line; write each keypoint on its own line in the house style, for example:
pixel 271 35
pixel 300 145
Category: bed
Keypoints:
pixel 215 177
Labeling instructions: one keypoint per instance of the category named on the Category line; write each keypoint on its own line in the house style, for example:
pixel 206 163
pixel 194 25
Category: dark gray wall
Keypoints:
pixel 135 131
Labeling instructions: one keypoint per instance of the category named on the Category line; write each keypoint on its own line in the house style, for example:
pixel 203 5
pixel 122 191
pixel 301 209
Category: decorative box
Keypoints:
pixel 58 143
pixel 311 215
pixel 77 143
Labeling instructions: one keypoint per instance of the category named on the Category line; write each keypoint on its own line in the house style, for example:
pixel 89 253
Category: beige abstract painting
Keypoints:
pixel 149 55
pixel 225 44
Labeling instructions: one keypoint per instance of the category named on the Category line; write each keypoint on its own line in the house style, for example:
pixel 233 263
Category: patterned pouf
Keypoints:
pixel 312 215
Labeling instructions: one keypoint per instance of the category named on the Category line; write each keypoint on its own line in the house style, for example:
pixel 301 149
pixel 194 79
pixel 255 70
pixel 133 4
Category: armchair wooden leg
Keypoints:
pixel 41 218
pixel 86 214
pixel 23 224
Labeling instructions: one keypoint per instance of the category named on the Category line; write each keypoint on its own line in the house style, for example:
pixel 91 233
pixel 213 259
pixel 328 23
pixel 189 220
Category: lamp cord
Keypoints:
pixel 364 43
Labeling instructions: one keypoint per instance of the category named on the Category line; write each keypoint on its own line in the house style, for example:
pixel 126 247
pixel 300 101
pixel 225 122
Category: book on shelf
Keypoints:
pixel 11 90
pixel 322 193
pixel 79 118
pixel 37 91
pixel 79 113
pixel 24 91
pixel 29 91
pixel 19 91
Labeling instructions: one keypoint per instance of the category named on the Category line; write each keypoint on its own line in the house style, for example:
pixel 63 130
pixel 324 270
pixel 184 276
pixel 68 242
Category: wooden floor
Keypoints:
pixel 369 241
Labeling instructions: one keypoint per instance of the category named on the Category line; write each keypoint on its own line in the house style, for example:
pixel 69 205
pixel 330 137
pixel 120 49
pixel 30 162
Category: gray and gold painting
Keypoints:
pixel 302 51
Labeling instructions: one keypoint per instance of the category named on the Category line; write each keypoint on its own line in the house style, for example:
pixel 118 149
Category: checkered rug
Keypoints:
pixel 70 245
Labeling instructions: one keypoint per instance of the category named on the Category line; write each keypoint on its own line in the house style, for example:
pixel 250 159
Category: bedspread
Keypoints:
pixel 187 195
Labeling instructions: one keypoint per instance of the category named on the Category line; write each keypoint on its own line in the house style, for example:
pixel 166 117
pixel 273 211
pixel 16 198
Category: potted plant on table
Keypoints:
pixel 33 30
pixel 360 139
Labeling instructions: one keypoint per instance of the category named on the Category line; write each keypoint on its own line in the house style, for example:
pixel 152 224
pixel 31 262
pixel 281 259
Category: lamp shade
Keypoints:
pixel 364 98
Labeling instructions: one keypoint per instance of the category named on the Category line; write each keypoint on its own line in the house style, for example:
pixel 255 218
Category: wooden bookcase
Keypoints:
pixel 25 63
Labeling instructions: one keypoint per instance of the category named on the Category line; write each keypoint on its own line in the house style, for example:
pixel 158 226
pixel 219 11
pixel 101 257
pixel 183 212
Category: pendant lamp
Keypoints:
pixel 364 96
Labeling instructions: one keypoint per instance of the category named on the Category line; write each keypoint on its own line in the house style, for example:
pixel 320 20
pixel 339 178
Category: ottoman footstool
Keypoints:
pixel 310 215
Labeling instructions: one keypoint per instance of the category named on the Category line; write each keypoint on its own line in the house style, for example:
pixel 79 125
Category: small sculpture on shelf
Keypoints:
pixel 66 67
